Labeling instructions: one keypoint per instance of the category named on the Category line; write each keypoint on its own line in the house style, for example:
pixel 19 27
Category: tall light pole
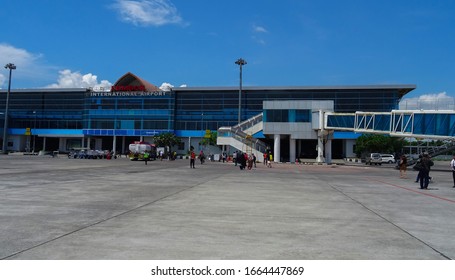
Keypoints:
pixel 34 133
pixel 11 67
pixel 240 62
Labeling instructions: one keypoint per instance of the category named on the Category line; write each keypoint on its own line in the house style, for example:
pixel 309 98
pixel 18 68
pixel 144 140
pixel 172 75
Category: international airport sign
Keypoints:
pixel 125 91
pixel 128 93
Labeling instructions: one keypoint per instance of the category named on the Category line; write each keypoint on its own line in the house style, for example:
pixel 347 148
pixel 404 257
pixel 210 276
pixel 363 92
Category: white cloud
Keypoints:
pixel 166 86
pixel 431 101
pixel 433 96
pixel 68 79
pixel 148 12
pixel 2 80
pixel 19 57
pixel 32 68
pixel 27 64
pixel 259 29
pixel 258 33
pixel 259 40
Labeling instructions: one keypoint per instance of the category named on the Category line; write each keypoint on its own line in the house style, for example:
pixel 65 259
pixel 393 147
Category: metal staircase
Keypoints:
pixel 241 137
pixel 449 145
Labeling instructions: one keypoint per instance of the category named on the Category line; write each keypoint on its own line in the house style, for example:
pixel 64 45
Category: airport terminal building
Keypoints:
pixel 135 110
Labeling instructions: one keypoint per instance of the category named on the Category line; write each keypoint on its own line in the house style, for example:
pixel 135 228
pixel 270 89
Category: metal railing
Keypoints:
pixel 449 145
pixel 237 132
pixel 249 123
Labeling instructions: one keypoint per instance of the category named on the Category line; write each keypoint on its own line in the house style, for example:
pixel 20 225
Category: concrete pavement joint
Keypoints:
pixel 416 191
pixel 104 220
pixel 64 209
pixel 387 220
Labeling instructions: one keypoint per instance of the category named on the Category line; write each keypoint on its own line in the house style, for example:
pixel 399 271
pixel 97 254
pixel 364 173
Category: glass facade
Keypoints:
pixel 276 116
pixel 205 109
pixel 290 115
pixel 45 109
pixel 141 113
pixel 178 110
pixel 427 124
pixel 340 121
pixel 211 108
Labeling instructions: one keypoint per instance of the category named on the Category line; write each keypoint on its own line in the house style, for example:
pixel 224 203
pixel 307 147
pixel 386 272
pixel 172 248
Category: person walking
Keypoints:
pixel 403 166
pixel 241 160
pixel 269 160
pixel 425 171
pixel 146 157
pixel 161 155
pixel 202 157
pixel 192 159
pixel 265 158
pixel 250 161
pixel 452 165
pixel 417 167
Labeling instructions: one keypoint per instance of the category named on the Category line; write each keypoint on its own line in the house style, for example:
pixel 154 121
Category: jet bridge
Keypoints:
pixel 435 124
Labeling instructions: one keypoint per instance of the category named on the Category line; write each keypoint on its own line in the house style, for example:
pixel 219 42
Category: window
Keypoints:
pixel 277 115
pixel 302 115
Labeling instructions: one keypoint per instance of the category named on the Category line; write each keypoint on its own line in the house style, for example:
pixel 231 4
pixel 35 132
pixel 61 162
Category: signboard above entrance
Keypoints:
pixel 128 88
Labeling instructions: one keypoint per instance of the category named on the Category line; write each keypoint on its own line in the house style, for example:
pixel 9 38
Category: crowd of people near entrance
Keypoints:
pixel 245 161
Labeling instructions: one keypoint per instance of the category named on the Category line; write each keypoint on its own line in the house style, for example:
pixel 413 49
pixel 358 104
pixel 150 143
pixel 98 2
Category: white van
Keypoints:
pixel 373 158
pixel 388 158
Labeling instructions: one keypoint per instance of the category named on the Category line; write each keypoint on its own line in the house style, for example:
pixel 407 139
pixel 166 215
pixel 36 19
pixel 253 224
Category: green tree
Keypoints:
pixel 378 143
pixel 166 139
pixel 210 140
pixel 396 144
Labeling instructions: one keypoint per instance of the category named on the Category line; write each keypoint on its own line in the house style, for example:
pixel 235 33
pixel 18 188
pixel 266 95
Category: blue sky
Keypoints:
pixel 79 43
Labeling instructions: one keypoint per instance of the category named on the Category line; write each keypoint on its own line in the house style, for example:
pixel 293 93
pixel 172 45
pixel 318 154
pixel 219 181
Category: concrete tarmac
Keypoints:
pixel 79 209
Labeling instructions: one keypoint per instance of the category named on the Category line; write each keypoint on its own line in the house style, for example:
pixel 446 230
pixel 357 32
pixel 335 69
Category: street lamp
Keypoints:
pixel 240 62
pixel 34 133
pixel 11 67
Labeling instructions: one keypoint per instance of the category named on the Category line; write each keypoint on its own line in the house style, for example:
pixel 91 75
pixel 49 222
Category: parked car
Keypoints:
pixel 373 158
pixel 388 158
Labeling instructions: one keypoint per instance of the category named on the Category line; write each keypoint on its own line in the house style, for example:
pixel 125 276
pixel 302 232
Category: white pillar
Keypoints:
pixel 299 147
pixel 349 147
pixel 83 142
pixel 61 144
pixel 114 144
pixel 276 148
pixel 292 150
pixel 44 143
pixel 320 148
pixel 88 143
pixel 328 151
